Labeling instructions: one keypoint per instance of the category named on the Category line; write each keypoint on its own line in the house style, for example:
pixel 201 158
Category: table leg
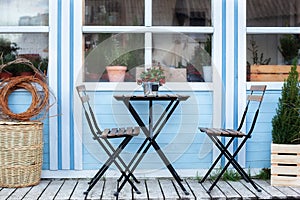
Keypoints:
pixel 151 138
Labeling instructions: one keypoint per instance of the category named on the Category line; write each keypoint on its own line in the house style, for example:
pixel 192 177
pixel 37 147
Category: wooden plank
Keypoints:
pixel 110 186
pixel 52 189
pixel 96 192
pixel 216 193
pixel 168 189
pixel 272 69
pixel 274 192
pixel 242 190
pixel 290 159
pixel 261 195
pixel 66 190
pixel 228 191
pixel 142 188
pixel 80 188
pixel 153 189
pixel 285 148
pixel 37 190
pixel 18 193
pixel 289 192
pixel 6 192
pixel 197 189
pixel 285 181
pixel 126 192
pixel 268 77
pixel 181 194
pixel 286 170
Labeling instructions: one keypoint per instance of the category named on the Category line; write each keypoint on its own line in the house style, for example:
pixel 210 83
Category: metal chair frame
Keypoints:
pixel 257 93
pixel 102 138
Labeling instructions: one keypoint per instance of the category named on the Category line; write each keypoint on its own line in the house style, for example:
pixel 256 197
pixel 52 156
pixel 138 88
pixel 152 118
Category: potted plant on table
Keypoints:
pixel 285 149
pixel 151 79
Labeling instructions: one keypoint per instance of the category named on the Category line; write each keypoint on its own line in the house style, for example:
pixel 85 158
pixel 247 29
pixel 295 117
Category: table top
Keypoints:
pixel 164 97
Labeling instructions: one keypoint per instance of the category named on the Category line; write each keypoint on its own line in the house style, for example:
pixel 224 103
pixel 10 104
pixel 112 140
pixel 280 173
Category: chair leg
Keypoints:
pixel 216 161
pixel 231 160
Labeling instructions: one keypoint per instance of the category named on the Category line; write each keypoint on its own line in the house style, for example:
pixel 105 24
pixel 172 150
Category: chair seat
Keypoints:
pixel 222 132
pixel 120 132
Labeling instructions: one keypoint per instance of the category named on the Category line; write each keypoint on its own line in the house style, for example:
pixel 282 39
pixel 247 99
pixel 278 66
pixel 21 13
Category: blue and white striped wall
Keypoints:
pixel 69 152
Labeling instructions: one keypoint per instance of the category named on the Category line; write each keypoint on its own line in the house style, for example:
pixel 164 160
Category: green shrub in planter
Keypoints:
pixel 286 122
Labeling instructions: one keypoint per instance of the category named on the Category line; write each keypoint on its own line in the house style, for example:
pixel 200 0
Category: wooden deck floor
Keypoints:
pixel 150 188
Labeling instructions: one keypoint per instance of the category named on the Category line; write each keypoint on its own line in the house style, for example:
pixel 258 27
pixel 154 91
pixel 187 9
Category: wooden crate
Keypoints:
pixel 270 73
pixel 285 165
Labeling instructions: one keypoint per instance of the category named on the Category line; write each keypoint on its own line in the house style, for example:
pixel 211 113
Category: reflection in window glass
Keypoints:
pixel 277 13
pixel 181 12
pixel 106 49
pixel 184 57
pixel 265 51
pixel 24 13
pixel 114 12
pixel 31 46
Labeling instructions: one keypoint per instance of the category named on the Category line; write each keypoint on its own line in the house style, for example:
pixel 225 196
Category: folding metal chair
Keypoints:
pixel 102 138
pixel 216 134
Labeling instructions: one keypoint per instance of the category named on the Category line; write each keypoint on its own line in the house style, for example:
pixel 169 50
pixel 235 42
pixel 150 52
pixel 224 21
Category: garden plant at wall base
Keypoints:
pixel 286 134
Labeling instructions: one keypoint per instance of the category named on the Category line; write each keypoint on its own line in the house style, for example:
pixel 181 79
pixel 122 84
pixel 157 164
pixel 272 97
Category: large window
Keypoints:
pixel 152 39
pixel 18 41
pixel 271 51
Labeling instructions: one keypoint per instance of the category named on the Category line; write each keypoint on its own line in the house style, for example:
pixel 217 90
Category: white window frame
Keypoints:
pixel 215 86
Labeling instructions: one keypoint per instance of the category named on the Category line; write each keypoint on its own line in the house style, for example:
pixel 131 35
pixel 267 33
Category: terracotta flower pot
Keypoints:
pixel 116 73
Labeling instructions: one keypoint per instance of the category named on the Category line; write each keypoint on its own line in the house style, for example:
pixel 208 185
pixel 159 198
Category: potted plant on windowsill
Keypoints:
pixel 285 149
pixel 117 59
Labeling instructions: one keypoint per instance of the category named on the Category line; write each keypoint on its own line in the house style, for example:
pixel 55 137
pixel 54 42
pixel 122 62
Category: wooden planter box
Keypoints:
pixel 270 73
pixel 285 165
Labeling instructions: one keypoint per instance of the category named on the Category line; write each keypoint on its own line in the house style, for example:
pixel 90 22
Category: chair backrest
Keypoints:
pixel 256 95
pixel 88 111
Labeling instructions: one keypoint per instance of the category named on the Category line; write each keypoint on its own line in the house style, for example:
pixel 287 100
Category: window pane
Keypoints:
pixel 105 49
pixel 114 12
pixel 183 56
pixel 181 12
pixel 278 13
pixel 268 55
pixel 31 46
pixel 24 13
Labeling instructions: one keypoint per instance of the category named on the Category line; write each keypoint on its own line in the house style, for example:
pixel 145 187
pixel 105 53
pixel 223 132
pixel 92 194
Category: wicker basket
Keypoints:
pixel 21 153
